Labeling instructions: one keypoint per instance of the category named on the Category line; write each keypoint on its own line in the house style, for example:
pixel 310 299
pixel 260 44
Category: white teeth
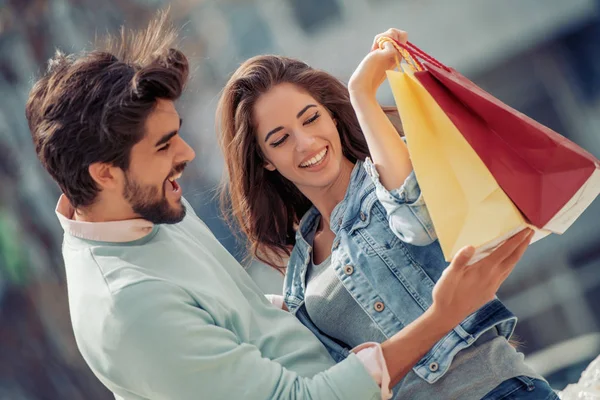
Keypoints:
pixel 316 159
pixel 175 177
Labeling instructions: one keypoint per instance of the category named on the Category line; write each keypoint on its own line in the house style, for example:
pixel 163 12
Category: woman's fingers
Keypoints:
pixel 396 34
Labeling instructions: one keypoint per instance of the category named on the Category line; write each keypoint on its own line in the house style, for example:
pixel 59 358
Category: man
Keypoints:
pixel 160 310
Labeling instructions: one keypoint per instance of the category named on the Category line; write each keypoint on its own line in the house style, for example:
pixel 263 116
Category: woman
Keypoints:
pixel 317 172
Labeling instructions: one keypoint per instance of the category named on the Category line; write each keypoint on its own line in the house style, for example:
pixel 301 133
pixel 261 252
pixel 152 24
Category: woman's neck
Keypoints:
pixel 326 198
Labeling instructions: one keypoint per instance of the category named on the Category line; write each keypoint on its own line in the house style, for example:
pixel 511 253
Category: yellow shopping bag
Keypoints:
pixel 466 204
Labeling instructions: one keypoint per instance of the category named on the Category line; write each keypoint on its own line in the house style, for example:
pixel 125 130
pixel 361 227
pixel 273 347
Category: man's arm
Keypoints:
pixel 170 349
pixel 166 348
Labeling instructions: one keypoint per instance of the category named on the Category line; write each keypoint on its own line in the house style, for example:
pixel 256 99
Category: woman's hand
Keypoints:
pixel 370 73
pixel 463 289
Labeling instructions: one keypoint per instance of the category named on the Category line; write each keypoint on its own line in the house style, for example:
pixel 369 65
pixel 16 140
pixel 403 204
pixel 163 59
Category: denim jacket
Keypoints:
pixel 387 256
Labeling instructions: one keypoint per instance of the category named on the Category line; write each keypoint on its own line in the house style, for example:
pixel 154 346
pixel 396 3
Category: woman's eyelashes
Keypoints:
pixel 312 119
pixel 309 121
pixel 280 141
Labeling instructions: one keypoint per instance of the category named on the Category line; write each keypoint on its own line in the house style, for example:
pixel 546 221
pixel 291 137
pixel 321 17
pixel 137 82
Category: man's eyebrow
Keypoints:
pixel 166 137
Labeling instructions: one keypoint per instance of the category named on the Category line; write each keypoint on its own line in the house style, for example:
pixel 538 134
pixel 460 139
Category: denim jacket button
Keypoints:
pixel 379 306
pixel 348 269
pixel 433 367
pixel 363 217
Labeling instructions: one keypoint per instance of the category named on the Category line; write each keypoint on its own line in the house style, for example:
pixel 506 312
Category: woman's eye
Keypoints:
pixel 280 141
pixel 313 118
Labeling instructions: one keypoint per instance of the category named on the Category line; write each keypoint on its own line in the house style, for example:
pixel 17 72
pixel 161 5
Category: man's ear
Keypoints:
pixel 105 175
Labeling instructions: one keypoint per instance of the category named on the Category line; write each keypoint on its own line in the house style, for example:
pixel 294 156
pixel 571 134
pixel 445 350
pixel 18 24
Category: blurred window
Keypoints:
pixel 583 58
pixel 312 15
pixel 249 30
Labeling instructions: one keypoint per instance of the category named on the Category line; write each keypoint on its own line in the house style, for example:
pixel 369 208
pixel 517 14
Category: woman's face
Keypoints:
pixel 298 137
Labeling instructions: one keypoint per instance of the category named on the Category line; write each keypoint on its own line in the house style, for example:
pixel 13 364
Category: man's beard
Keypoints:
pixel 150 204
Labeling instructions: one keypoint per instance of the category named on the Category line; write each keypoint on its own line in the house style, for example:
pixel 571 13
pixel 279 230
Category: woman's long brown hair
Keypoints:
pixel 266 206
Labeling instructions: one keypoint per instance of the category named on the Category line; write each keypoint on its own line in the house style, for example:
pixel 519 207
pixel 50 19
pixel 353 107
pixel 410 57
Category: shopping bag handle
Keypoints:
pixel 411 53
pixel 404 52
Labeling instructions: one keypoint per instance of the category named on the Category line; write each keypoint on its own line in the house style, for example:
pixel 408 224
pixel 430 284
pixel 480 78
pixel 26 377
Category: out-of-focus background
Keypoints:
pixel 540 56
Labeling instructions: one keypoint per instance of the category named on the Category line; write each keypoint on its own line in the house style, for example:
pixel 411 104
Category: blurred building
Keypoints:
pixel 540 56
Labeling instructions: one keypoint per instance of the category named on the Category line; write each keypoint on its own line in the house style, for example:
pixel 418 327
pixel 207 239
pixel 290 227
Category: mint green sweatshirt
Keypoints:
pixel 174 316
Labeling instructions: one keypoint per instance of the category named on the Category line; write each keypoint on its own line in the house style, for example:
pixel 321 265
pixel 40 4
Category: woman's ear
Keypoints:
pixel 268 166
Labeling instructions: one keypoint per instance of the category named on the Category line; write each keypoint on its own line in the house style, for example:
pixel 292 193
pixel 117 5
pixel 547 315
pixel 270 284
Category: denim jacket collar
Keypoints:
pixel 340 215
pixel 341 212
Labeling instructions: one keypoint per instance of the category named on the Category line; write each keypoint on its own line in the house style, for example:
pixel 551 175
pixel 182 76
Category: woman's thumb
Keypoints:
pixel 462 258
pixel 389 48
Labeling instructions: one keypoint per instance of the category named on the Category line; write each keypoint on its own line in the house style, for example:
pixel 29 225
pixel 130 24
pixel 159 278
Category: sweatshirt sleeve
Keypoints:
pixel 170 348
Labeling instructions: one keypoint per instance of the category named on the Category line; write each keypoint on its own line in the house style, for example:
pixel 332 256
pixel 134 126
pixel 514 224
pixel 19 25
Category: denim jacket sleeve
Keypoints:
pixel 406 210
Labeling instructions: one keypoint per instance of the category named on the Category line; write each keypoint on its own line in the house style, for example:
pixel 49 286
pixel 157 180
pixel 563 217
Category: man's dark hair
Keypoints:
pixel 92 107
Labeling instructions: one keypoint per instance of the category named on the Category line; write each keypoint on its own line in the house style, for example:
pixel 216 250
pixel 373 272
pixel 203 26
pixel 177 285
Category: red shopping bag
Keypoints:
pixel 549 178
